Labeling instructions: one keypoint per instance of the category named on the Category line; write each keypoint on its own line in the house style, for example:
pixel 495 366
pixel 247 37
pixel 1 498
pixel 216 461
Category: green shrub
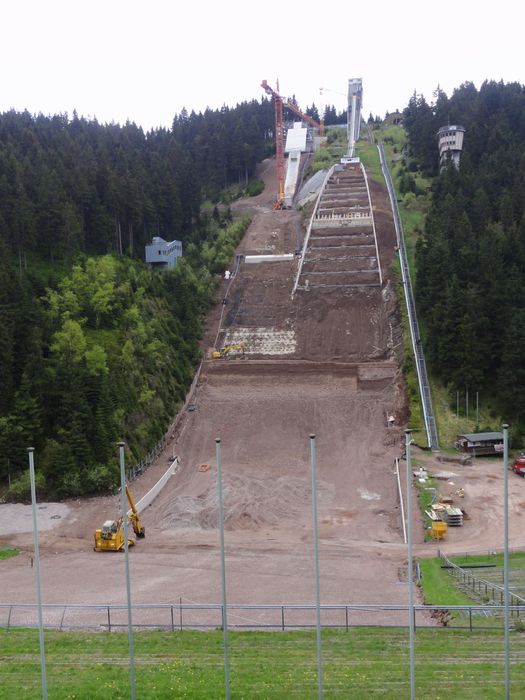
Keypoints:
pixel 20 489
pixel 254 188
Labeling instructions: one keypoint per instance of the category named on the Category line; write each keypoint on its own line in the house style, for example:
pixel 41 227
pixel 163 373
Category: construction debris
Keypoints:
pixel 454 516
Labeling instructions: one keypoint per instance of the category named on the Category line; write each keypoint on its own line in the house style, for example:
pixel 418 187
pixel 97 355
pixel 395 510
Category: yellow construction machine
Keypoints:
pixel 240 347
pixel 110 537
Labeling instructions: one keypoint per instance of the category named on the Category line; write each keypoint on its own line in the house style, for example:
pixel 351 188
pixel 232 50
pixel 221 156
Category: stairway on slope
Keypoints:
pixel 341 250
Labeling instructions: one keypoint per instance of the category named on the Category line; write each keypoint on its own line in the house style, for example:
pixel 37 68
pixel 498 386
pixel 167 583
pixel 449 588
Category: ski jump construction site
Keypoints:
pixel 320 331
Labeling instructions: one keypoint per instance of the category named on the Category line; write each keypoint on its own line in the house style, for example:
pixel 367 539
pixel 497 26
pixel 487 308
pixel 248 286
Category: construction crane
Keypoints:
pixel 279 135
pixel 110 537
pixel 279 141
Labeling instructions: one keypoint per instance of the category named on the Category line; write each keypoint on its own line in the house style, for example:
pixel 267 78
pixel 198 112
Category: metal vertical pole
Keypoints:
pixel 31 451
pixel 126 562
pixel 477 410
pixel 466 403
pixel 313 462
pixel 506 553
pixel 408 442
pixel 223 570
pixel 457 405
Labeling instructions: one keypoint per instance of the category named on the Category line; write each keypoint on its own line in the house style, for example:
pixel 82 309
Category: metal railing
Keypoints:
pixel 140 467
pixel 481 587
pixel 191 616
pixel 424 386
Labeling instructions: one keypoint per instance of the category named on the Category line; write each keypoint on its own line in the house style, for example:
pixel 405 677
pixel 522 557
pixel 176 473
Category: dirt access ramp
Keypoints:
pixel 322 362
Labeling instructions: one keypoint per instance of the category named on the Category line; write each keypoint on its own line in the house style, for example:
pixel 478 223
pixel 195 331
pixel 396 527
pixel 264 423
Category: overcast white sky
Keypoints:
pixel 145 60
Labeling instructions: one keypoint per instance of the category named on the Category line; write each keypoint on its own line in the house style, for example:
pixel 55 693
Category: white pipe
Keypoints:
pixel 401 501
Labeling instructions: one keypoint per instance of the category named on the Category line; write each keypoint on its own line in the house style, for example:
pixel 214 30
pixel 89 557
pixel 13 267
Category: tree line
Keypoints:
pixel 472 252
pixel 94 346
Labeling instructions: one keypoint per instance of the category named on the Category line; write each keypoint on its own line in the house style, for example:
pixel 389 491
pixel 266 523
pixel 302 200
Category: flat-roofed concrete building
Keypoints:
pixel 163 254
pixel 450 141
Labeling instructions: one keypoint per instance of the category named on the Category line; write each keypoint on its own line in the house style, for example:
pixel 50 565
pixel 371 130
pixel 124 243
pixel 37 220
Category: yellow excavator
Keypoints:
pixel 110 537
pixel 240 347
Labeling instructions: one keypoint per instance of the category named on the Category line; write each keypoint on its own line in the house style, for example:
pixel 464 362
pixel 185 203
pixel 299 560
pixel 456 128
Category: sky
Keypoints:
pixel 145 60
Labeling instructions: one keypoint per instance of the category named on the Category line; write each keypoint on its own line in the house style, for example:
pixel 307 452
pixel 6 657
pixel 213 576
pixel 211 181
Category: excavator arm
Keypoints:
pixel 134 518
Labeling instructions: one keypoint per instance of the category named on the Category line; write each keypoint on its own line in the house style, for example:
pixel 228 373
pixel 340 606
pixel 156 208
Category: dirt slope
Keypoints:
pixel 323 362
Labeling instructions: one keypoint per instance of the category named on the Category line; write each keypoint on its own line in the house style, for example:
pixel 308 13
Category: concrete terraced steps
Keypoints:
pixel 341 250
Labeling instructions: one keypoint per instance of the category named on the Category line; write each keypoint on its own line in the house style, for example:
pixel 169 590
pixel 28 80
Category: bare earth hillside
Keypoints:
pixel 324 362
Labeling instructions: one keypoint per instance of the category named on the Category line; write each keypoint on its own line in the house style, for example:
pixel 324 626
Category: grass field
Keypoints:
pixel 357 664
pixel 6 552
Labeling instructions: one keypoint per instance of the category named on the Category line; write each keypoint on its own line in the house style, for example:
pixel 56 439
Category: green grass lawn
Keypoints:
pixel 360 663
pixel 6 552
pixel 369 155
pixel 438 586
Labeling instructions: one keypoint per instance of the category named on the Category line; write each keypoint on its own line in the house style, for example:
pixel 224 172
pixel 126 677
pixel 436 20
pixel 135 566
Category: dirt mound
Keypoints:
pixel 249 503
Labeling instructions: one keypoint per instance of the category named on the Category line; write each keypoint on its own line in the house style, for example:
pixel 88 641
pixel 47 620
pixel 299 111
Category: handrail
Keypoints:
pixel 424 386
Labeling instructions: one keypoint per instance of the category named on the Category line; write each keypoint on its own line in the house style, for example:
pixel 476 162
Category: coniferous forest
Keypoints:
pixel 94 346
pixel 472 252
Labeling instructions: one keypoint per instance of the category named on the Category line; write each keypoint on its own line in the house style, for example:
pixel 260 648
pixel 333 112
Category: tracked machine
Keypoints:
pixel 223 352
pixel 110 537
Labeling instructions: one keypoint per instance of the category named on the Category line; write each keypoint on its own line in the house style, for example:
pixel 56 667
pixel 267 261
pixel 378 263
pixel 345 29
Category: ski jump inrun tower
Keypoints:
pixel 355 97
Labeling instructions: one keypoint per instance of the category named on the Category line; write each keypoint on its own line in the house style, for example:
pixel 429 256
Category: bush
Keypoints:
pixel 20 489
pixel 254 188
pixel 101 477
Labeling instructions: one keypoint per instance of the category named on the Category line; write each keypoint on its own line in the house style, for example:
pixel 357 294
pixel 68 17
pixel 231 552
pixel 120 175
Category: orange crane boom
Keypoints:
pixel 305 117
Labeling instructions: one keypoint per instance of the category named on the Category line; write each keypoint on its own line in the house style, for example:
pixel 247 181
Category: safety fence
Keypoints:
pixel 191 616
pixel 482 588
pixel 141 466
pixel 424 386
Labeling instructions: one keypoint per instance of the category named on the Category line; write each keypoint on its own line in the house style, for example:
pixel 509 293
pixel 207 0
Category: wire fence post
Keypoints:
pixel 223 570
pixel 31 451
pixel 408 442
pixel 124 515
pixel 506 554
pixel 313 461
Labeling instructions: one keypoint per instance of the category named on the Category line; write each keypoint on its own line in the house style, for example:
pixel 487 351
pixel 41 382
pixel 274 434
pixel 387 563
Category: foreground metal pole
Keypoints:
pixel 313 461
pixel 408 441
pixel 223 570
pixel 506 554
pixel 31 451
pixel 126 561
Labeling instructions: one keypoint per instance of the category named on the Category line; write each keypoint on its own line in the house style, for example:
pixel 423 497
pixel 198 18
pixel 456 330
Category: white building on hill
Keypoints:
pixel 163 254
pixel 450 140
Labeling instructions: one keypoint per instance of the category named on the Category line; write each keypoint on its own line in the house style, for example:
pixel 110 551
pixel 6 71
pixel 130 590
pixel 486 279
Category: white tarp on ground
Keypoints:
pixel 263 341
pixel 284 257
pixel 154 491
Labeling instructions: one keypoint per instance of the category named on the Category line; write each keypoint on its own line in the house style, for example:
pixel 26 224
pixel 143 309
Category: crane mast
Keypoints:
pixel 279 135
pixel 279 141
